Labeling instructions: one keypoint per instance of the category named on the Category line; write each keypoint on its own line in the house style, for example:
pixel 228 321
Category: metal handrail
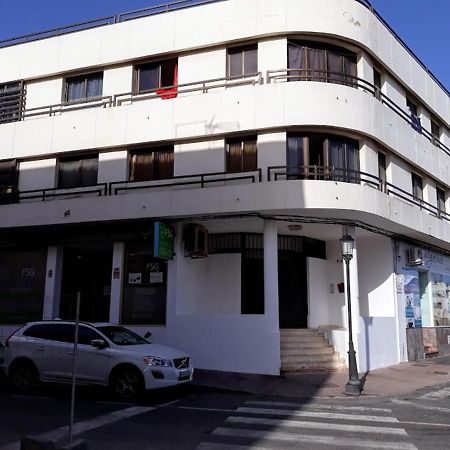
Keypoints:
pixel 355 82
pixel 201 179
pixel 100 189
pixel 204 86
pixel 51 110
pixel 109 20
pixel 332 173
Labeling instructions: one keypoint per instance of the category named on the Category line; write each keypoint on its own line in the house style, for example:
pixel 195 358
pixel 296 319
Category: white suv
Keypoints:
pixel 107 354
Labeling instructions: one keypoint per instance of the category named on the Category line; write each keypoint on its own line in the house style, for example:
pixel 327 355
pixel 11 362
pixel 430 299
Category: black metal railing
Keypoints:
pixel 109 20
pixel 100 190
pixel 203 86
pixel 326 76
pixel 201 180
pixel 59 108
pixel 339 174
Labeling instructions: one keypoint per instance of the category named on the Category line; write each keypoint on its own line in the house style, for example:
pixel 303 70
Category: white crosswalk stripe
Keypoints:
pixel 264 425
pixel 437 395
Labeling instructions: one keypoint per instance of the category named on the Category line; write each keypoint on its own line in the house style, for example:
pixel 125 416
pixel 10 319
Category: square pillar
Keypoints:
pixel 271 303
pixel 118 267
pixel 53 276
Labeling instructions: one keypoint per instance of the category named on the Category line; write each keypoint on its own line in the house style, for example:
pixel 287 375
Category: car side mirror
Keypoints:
pixel 99 343
pixel 148 334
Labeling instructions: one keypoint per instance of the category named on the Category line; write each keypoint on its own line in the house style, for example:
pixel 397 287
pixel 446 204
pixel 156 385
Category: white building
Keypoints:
pixel 276 126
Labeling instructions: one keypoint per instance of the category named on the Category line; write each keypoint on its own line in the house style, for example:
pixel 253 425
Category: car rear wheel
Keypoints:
pixel 24 375
pixel 126 382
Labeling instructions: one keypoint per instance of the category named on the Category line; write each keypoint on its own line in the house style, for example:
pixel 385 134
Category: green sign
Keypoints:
pixel 163 241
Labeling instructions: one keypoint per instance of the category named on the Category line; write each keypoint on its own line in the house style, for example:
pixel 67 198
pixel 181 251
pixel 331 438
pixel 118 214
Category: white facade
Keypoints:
pixel 203 309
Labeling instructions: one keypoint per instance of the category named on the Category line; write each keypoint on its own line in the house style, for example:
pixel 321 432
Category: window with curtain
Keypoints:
pixel 242 61
pixel 152 164
pixel 77 172
pixel 305 153
pixel 377 83
pixel 8 181
pixel 314 61
pixel 84 87
pixel 417 186
pixel 435 132
pixel 158 76
pixel 12 101
pixel 242 154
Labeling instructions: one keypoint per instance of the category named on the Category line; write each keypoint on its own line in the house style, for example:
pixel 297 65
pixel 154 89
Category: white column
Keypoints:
pixel 52 293
pixel 118 266
pixel 354 294
pixel 271 272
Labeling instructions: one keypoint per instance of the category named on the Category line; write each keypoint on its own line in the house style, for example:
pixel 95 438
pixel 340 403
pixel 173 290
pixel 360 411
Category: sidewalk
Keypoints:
pixel 387 382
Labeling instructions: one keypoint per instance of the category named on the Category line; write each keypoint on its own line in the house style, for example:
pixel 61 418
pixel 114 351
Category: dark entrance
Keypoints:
pixel 292 290
pixel 87 270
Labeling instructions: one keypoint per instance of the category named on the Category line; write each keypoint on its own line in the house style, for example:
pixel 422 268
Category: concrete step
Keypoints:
pixel 305 345
pixel 307 351
pixel 301 367
pixel 303 339
pixel 287 331
pixel 310 359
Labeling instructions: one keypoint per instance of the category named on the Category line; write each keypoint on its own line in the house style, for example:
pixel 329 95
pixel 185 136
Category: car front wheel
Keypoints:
pixel 126 382
pixel 24 375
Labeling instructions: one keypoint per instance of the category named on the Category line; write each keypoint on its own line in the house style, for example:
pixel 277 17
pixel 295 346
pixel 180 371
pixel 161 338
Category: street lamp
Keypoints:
pixel 353 386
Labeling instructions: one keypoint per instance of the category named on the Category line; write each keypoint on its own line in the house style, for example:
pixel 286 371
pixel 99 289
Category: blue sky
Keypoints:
pixel 422 25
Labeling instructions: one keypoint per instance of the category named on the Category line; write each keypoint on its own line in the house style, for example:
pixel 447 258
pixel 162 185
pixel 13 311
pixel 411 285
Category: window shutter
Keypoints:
pixel 250 156
pixel 234 159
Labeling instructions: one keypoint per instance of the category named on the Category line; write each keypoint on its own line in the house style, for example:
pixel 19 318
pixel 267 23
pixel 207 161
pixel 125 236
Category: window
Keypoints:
pixel 61 332
pixel 12 101
pixel 242 61
pixel 242 155
pixel 319 156
pixel 83 87
pixel 87 335
pixel 152 164
pixel 145 286
pixel 8 181
pixel 22 284
pixel 382 170
pixel 435 132
pixel 78 172
pixel 440 197
pixel 160 76
pixel 313 61
pixel 414 116
pixel 377 83
pixel 417 187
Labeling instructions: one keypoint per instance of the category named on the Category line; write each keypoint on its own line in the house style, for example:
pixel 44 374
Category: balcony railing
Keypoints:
pixel 203 180
pixel 331 173
pixel 203 87
pixel 326 76
pixel 109 20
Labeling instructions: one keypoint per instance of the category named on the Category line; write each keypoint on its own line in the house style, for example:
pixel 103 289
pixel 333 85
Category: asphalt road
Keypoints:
pixel 204 419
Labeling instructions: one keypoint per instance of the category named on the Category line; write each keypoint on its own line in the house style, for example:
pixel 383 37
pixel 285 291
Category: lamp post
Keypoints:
pixel 353 386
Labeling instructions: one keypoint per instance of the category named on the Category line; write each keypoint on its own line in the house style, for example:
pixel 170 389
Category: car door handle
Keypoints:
pixel 40 349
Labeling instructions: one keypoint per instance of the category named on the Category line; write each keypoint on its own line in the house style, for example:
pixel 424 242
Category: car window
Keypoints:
pixel 86 335
pixel 59 332
pixel 122 336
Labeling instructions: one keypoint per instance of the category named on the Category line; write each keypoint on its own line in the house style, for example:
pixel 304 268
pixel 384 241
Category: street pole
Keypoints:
pixel 353 386
pixel 74 360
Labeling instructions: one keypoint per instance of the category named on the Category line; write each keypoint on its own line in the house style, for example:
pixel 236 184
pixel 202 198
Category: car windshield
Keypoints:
pixel 122 336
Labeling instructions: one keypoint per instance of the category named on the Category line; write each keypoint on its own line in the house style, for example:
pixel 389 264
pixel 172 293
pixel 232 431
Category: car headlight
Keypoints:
pixel 157 361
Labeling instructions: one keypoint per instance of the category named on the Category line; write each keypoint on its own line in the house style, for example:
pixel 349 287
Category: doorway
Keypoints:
pixel 292 290
pixel 88 271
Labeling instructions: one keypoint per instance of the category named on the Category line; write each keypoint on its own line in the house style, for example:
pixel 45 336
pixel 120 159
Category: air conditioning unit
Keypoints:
pixel 415 257
pixel 195 239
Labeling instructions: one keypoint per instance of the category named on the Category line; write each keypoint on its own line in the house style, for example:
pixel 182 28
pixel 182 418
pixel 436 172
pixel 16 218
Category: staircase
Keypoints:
pixel 308 350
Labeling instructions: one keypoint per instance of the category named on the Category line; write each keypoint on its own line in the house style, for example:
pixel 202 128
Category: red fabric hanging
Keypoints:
pixel 172 92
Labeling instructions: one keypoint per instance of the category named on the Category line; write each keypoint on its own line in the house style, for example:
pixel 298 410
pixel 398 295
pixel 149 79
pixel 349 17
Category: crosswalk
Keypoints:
pixel 440 394
pixel 264 425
